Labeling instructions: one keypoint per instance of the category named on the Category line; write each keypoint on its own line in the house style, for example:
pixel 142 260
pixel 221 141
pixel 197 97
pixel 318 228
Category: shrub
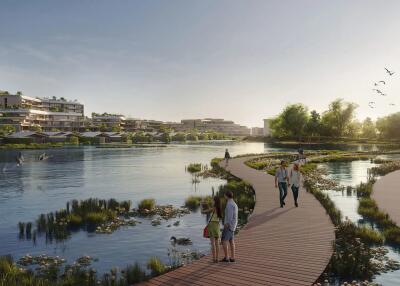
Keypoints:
pixel 147 204
pixel 369 235
pixel 156 266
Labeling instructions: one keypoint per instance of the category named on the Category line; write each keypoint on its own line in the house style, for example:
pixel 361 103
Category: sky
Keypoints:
pixel 168 60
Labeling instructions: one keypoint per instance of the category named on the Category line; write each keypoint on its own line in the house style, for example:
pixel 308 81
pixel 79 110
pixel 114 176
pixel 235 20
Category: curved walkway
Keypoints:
pixel 278 246
pixel 386 193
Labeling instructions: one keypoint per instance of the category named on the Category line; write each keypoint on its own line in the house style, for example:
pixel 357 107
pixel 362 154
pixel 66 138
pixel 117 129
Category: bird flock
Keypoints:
pixel 378 88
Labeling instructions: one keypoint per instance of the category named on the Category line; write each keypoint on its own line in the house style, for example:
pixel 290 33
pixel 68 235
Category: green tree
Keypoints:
pixel 389 126
pixel 74 140
pixel 338 118
pixel 192 137
pixel 139 137
pixel 36 128
pixel 313 127
pixel 103 128
pixel 166 137
pixel 368 129
pixel 6 129
pixel 116 128
pixel 179 137
pixel 291 122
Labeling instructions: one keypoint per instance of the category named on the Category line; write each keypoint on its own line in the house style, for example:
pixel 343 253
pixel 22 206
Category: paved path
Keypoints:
pixel 278 246
pixel 387 195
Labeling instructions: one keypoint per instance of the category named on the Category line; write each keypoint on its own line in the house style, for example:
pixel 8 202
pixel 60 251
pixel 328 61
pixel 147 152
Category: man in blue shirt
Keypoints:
pixel 230 224
pixel 282 182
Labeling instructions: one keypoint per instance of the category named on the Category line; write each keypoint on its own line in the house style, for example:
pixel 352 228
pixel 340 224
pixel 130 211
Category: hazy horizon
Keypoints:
pixel 170 60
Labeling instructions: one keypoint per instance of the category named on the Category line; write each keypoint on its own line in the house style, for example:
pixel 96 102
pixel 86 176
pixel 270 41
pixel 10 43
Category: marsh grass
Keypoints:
pixel 194 168
pixel 193 202
pixel 147 204
pixel 85 214
pixel 156 266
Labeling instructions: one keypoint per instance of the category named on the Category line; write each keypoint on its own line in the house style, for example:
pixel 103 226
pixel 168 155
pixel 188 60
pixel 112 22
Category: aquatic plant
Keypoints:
pixel 134 274
pixel 156 266
pixel 193 202
pixel 146 205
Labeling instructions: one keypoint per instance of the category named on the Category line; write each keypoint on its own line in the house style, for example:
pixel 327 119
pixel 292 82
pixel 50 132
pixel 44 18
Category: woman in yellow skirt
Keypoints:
pixel 214 230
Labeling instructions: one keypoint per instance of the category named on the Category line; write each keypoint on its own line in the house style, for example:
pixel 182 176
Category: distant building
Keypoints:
pixel 108 122
pixel 210 124
pixel 28 113
pixel 257 131
pixel 267 129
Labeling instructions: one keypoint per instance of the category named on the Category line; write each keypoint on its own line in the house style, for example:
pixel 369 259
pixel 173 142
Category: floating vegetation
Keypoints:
pixel 148 207
pixel 50 273
pixel 110 227
pixel 42 260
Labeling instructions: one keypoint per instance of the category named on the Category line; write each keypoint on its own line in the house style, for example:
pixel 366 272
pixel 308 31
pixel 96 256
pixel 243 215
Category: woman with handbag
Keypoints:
pixel 213 230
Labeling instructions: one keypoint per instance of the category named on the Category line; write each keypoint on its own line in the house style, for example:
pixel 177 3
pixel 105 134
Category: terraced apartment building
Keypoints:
pixel 27 113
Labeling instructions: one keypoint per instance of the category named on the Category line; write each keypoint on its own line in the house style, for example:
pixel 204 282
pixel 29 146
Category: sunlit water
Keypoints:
pixel 352 174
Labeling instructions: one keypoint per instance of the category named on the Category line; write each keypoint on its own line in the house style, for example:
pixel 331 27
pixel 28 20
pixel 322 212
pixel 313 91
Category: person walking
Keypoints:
pixel 227 157
pixel 230 224
pixel 214 230
pixel 295 180
pixel 281 182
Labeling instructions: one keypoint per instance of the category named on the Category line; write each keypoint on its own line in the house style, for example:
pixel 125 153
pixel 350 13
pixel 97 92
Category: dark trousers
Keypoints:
pixel 295 191
pixel 282 192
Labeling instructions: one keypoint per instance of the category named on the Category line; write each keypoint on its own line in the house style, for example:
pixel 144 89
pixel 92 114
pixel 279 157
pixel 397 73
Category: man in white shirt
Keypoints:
pixel 230 224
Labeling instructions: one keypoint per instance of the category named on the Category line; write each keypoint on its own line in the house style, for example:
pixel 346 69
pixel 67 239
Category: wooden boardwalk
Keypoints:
pixel 278 246
pixel 386 193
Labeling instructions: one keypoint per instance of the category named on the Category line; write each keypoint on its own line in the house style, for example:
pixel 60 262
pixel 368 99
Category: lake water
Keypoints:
pixel 128 174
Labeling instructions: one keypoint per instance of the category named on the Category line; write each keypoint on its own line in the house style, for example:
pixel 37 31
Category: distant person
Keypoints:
pixel 281 182
pixel 214 230
pixel 230 224
pixel 227 157
pixel 301 156
pixel 295 180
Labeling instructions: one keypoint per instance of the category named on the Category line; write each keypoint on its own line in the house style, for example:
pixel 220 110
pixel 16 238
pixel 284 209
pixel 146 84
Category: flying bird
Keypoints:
pixel 377 90
pixel 389 72
pixel 383 94
pixel 371 104
pixel 382 81
pixel 392 104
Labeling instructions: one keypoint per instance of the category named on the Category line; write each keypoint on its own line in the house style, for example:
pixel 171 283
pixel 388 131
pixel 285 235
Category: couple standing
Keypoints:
pixel 228 233
pixel 283 181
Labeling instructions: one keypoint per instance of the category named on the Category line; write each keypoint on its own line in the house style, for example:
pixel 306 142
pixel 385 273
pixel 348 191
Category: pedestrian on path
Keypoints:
pixel 214 227
pixel 295 180
pixel 230 224
pixel 281 182
pixel 227 157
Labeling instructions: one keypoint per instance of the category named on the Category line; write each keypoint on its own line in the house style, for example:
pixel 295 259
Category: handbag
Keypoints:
pixel 205 230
